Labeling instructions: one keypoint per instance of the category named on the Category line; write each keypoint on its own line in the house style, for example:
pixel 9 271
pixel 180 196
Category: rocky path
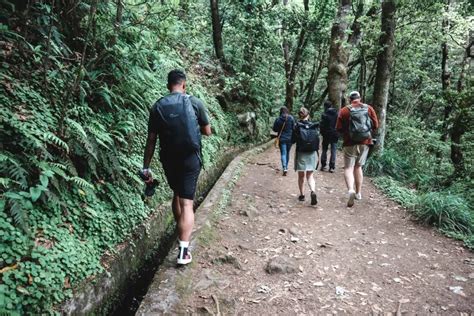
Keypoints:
pixel 271 254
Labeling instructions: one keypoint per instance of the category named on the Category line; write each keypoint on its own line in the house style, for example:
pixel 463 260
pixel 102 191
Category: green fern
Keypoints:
pixel 81 183
pixel 53 139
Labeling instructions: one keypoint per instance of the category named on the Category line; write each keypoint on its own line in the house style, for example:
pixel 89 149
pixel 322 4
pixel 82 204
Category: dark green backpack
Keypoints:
pixel 360 124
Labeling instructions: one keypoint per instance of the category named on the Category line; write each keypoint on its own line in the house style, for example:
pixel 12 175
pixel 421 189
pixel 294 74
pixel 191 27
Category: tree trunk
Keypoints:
pixel 384 68
pixel 291 68
pixel 461 120
pixel 362 80
pixel 459 128
pixel 445 74
pixel 338 57
pixel 317 68
pixel 217 31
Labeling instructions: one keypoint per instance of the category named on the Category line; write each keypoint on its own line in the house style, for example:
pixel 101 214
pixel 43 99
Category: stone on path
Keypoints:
pixel 281 265
pixel 251 212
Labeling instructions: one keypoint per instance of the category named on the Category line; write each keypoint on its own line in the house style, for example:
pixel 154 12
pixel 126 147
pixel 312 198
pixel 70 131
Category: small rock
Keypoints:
pixel 251 212
pixel 340 291
pixel 282 231
pixel 294 239
pixel 469 261
pixel 318 284
pixel 229 259
pixel 281 265
pixel 397 280
pixel 460 278
pixel 264 289
pixel 457 290
pixel 471 275
pixel 294 231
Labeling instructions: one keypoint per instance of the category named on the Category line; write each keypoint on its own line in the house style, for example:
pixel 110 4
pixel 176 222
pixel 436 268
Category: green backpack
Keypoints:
pixel 360 124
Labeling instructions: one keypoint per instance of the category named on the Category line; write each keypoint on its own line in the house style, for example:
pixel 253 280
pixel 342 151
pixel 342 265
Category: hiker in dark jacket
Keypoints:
pixel 330 135
pixel 284 127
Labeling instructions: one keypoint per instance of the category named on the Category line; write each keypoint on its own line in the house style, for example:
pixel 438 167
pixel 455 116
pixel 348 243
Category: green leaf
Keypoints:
pixel 35 192
pixel 44 180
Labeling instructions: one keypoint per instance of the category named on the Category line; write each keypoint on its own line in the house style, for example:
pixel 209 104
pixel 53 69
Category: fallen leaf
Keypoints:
pixel 13 267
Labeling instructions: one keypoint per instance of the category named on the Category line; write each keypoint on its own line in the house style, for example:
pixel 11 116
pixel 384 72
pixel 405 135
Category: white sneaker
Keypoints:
pixel 350 201
pixel 186 260
pixel 358 196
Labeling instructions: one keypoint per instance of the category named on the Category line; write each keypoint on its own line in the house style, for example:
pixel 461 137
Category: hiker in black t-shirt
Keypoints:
pixel 330 135
pixel 178 120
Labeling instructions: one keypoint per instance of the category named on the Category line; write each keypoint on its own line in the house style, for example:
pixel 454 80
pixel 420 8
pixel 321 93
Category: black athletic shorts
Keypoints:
pixel 182 174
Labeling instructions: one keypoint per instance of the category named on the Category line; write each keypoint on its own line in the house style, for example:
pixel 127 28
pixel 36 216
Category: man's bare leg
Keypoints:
pixel 359 178
pixel 186 219
pixel 176 208
pixel 349 177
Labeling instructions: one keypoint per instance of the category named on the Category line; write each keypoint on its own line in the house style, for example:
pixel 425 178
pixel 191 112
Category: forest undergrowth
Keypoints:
pixel 78 77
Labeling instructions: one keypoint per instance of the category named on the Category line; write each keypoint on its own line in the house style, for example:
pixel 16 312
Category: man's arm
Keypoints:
pixel 203 119
pixel 206 130
pixel 149 149
pixel 374 119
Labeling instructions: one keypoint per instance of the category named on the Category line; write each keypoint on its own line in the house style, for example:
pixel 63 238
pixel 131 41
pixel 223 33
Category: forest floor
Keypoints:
pixel 328 258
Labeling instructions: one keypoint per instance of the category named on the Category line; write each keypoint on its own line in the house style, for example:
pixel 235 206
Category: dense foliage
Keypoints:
pixel 78 77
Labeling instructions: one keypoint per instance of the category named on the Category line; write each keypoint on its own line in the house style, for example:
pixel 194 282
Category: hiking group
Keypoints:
pixel 355 123
pixel 178 120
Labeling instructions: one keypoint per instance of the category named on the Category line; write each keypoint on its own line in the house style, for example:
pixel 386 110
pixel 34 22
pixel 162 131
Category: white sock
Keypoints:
pixel 182 246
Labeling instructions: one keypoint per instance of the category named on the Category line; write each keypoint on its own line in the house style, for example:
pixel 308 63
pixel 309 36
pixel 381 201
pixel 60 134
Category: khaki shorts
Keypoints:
pixel 355 155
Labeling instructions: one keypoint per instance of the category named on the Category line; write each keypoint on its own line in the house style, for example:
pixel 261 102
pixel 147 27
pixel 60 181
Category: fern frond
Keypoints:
pixel 53 139
pixel 81 183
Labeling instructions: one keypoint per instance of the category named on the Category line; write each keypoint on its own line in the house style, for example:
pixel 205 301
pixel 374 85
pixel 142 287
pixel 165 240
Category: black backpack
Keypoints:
pixel 360 125
pixel 178 125
pixel 307 136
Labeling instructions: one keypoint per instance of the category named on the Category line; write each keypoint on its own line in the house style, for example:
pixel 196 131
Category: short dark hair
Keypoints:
pixel 284 110
pixel 175 77
pixel 327 104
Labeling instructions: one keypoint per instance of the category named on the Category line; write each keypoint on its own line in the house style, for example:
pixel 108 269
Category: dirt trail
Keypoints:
pixel 368 259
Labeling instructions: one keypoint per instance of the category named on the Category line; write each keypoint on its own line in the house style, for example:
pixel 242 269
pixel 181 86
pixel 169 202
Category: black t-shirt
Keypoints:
pixel 174 98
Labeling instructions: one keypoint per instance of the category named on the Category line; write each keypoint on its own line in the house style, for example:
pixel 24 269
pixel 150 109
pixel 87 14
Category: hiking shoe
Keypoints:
pixel 285 172
pixel 350 201
pixel 301 198
pixel 331 170
pixel 323 168
pixel 314 198
pixel 186 259
pixel 358 196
